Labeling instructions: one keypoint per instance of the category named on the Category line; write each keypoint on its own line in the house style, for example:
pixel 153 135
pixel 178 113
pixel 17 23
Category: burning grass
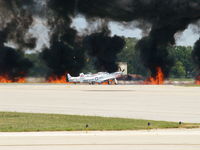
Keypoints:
pixel 6 79
pixel 56 79
pixel 20 122
pixel 197 82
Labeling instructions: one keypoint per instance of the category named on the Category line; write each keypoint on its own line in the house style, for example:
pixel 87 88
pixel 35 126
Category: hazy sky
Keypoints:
pixel 187 38
pixel 39 30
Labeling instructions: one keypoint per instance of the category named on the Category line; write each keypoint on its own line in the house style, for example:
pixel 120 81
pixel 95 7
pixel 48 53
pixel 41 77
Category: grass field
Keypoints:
pixel 19 122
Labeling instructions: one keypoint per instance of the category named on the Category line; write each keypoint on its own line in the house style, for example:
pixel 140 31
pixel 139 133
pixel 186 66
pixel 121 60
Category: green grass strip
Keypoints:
pixel 27 122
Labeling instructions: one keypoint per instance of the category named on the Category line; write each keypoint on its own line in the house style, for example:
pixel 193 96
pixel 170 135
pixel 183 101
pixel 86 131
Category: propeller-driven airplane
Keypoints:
pixel 101 77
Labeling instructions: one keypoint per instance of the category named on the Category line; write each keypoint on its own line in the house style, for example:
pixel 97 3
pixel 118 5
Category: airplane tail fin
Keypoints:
pixel 68 77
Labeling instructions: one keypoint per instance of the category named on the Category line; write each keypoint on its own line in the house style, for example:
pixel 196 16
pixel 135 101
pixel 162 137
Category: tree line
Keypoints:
pixel 183 64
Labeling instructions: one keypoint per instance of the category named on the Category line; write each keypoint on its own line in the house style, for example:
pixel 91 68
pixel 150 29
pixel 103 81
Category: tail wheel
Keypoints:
pixel 115 81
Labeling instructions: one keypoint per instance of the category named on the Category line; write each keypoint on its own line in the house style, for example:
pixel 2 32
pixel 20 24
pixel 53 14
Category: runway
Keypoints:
pixel 165 102
pixel 119 140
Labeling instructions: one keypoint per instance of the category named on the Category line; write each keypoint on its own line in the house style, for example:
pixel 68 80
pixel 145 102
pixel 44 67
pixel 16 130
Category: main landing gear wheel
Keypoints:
pixel 92 83
pixel 109 82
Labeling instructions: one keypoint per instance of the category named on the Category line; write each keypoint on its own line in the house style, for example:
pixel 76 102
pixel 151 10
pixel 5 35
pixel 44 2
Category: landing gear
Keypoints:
pixel 109 82
pixel 92 83
pixel 112 82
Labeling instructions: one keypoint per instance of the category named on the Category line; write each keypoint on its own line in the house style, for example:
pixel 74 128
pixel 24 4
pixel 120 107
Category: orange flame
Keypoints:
pixel 6 79
pixel 21 80
pixel 197 82
pixel 106 83
pixel 158 80
pixel 56 79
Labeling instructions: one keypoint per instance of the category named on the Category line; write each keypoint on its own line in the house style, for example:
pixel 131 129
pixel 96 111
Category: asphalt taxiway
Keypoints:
pixel 165 102
pixel 115 140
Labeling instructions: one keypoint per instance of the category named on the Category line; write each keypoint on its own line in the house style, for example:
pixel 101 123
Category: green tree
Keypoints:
pixel 178 70
pixel 183 61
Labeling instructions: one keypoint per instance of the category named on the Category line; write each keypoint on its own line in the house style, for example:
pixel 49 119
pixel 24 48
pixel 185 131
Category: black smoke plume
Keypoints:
pixel 196 56
pixel 70 53
pixel 13 65
pixel 65 54
pixel 104 49
pixel 62 57
pixel 154 48
pixel 166 17
pixel 15 21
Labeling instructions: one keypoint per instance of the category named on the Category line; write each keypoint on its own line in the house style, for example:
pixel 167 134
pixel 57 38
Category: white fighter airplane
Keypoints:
pixel 101 77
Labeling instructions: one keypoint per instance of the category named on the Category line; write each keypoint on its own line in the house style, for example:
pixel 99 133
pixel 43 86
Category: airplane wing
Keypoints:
pixel 105 79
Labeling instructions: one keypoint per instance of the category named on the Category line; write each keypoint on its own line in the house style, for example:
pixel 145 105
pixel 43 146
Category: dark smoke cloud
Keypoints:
pixel 62 57
pixel 149 10
pixel 163 18
pixel 64 42
pixel 104 49
pixel 16 19
pixel 65 54
pixel 154 56
pixel 13 64
pixel 166 17
pixel 60 15
pixel 154 48
pixel 196 55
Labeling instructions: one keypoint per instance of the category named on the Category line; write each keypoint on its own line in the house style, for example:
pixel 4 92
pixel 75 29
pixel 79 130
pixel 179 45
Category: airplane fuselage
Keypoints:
pixel 100 77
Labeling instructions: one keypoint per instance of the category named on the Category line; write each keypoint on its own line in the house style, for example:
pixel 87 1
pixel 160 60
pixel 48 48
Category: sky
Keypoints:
pixel 187 38
pixel 39 30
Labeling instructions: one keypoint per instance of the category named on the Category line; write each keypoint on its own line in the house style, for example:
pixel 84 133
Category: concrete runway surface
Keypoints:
pixel 119 140
pixel 165 102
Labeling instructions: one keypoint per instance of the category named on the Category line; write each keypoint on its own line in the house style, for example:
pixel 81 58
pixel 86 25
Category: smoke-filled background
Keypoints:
pixel 166 18
pixel 68 50
pixel 196 56
pixel 104 50
pixel 16 18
